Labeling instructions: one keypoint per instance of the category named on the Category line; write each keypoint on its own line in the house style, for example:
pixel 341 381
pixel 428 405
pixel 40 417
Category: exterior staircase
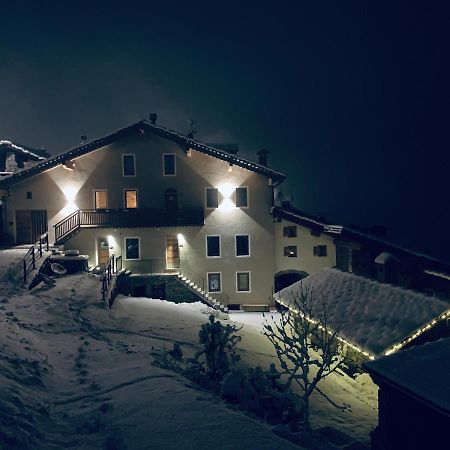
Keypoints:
pixel 200 291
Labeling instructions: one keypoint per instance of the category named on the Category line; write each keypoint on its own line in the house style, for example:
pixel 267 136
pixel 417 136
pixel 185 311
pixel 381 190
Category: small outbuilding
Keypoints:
pixel 413 398
pixel 374 318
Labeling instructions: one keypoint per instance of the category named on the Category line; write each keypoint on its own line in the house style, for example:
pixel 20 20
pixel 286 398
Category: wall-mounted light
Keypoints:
pixel 226 189
pixel 69 165
pixel 189 153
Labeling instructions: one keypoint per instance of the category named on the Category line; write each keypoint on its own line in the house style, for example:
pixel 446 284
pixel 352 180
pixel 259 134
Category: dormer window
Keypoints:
pixel 169 165
pixel 128 165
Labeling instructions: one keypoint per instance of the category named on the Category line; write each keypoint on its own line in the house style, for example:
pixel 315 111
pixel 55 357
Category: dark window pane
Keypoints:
pixel 213 245
pixel 132 248
pixel 243 281
pixel 214 284
pixel 128 165
pixel 290 251
pixel 320 250
pixel 169 165
pixel 212 198
pixel 242 245
pixel 241 197
pixel 290 231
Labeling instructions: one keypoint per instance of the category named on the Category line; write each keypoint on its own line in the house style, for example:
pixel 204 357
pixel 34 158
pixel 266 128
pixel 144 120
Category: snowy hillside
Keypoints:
pixel 74 375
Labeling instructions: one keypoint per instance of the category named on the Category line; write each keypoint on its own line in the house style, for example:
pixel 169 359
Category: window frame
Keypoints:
pixel 94 191
pixel 220 282
pixel 248 197
pixel 316 251
pixel 220 245
pixel 249 281
pixel 125 247
pixel 291 227
pixel 174 164
pixel 235 246
pixel 125 197
pixel 206 197
pixel 123 164
pixel 288 255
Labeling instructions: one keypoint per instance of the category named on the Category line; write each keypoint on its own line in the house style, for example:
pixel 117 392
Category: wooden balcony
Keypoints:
pixel 127 218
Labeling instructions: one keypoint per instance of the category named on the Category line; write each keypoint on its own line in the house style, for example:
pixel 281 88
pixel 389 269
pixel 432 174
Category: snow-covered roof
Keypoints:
pixel 139 128
pixel 423 370
pixel 385 257
pixel 375 317
pixel 26 151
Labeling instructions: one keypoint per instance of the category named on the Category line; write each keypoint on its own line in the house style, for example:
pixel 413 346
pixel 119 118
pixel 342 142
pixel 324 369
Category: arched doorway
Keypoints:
pixel 286 278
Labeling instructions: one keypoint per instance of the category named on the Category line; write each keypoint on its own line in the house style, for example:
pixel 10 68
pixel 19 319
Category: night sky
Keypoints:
pixel 350 98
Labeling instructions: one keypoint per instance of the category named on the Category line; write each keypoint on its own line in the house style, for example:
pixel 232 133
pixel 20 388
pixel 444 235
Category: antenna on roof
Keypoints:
pixel 191 130
pixel 83 139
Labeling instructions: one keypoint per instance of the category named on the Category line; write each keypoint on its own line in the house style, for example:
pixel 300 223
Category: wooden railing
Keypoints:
pixel 127 218
pixel 106 279
pixel 29 260
pixel 151 266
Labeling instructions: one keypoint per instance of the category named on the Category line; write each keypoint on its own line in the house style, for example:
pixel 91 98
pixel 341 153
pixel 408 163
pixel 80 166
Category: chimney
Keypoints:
pixel 262 157
pixel 152 117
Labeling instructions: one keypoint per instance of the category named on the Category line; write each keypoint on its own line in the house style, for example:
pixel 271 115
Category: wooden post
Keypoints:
pixel 24 270
pixel 48 248
pixel 40 247
pixel 33 258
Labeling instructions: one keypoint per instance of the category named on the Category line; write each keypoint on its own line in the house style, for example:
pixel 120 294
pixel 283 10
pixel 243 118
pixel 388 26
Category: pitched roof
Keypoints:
pixel 414 371
pixel 28 152
pixel 375 317
pixel 136 128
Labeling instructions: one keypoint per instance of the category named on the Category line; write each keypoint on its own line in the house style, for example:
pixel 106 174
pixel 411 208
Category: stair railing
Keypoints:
pixel 67 225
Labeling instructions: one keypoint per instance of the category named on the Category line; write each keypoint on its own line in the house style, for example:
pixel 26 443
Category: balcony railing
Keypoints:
pixel 127 218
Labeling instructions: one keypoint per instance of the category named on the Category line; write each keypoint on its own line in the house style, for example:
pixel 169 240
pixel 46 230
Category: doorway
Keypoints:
pixel 30 225
pixel 172 253
pixel 102 250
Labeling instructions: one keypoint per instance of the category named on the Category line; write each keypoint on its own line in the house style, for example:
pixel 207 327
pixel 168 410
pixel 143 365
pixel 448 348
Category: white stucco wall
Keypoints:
pixel 306 260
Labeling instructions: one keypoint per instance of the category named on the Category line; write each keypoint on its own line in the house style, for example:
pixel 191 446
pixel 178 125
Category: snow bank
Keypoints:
pixel 374 316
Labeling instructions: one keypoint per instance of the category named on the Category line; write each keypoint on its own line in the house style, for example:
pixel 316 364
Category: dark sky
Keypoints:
pixel 351 98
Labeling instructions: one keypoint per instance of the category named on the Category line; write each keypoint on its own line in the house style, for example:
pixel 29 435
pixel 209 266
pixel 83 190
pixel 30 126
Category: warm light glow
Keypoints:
pixel 227 205
pixel 70 193
pixel 226 189
pixel 111 241
pixel 180 239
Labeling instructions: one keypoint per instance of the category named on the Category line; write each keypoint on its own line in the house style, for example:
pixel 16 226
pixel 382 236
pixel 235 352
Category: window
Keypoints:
pixel 213 246
pixel 290 231
pixel 29 195
pixel 241 197
pixel 100 199
pixel 290 251
pixel 130 198
pixel 243 281
pixel 214 282
pixel 132 248
pixel 212 198
pixel 169 165
pixel 320 250
pixel 128 165
pixel 242 245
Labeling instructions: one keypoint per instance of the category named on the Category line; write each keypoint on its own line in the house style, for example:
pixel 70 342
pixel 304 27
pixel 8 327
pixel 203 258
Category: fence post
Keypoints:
pixel 48 248
pixel 40 247
pixel 33 257
pixel 24 270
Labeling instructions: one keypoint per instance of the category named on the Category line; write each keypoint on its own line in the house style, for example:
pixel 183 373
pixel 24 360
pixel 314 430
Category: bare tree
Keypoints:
pixel 307 347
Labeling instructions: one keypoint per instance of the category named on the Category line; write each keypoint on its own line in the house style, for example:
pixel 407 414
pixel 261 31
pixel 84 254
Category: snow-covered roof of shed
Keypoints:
pixel 139 128
pixel 375 317
pixel 414 370
pixel 28 152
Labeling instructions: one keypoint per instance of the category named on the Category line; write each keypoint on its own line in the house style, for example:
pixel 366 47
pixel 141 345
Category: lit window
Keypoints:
pixel 212 198
pixel 243 281
pixel 290 251
pixel 128 165
pixel 101 199
pixel 132 248
pixel 213 246
pixel 290 231
pixel 214 282
pixel 320 250
pixel 169 165
pixel 242 245
pixel 241 197
pixel 131 198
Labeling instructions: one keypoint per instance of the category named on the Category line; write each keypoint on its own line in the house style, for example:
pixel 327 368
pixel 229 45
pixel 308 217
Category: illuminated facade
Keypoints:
pixel 157 200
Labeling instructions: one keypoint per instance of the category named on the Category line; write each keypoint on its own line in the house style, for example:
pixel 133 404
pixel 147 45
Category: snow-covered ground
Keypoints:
pixel 74 375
